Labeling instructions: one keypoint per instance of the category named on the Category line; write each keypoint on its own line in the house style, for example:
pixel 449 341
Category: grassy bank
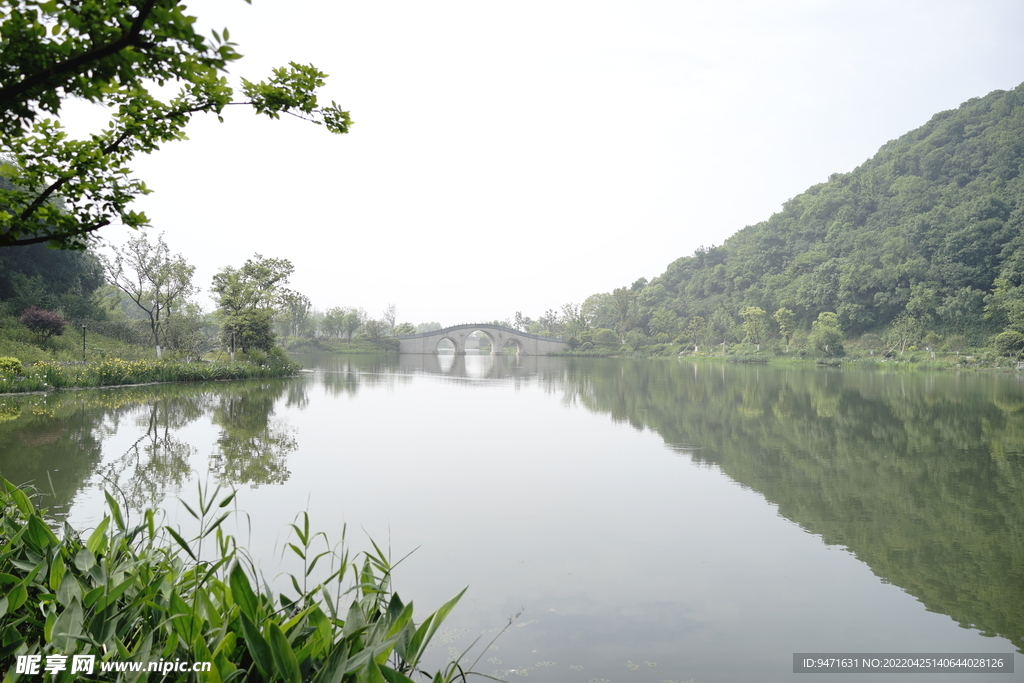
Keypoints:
pixel 974 359
pixel 49 375
pixel 83 358
pixel 18 342
pixel 137 591
pixel 970 359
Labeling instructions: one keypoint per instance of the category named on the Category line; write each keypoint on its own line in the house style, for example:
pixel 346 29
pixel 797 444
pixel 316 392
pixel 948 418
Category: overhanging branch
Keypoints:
pixel 79 63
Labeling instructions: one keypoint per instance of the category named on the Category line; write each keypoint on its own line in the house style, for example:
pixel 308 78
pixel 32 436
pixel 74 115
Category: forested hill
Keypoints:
pixel 928 229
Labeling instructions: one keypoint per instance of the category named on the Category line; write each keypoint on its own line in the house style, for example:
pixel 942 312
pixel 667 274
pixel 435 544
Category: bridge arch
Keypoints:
pixel 454 342
pixel 514 343
pixel 526 344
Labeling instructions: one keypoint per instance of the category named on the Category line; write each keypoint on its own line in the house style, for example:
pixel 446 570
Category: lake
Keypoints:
pixel 647 520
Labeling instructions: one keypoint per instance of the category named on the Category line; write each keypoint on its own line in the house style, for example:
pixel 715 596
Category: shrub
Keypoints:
pixel 274 358
pixel 248 330
pixel 43 323
pixel 1009 343
pixel 662 349
pixel 605 336
pixel 635 339
pixel 10 365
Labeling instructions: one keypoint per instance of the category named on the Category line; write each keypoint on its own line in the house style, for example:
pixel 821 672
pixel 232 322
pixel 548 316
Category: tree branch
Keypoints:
pixel 25 241
pixel 108 149
pixel 79 63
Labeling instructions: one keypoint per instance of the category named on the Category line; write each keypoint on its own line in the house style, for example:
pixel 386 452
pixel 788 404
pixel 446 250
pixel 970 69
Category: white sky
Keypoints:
pixel 518 156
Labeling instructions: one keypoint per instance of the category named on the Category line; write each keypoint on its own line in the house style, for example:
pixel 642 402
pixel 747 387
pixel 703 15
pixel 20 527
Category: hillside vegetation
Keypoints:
pixel 923 237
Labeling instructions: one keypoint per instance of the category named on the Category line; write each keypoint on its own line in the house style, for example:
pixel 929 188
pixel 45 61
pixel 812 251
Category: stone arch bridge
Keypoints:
pixel 524 343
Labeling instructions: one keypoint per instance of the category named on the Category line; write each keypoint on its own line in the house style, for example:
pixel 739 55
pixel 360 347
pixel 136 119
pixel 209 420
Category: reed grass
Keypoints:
pixel 144 593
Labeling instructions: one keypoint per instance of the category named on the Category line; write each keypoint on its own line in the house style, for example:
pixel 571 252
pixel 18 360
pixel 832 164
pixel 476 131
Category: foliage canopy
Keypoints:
pixel 931 229
pixel 59 190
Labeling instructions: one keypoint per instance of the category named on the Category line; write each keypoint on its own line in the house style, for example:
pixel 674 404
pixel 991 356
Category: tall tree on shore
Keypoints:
pixel 755 324
pixel 625 310
pixel 156 280
pixel 353 320
pixel 785 319
pixel 696 329
pixel 245 299
pixel 390 316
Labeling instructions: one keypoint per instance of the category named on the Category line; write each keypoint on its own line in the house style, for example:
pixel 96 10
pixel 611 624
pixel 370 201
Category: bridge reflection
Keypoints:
pixel 470 365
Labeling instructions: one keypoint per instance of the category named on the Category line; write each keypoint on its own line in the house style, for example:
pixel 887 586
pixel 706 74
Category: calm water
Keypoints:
pixel 648 520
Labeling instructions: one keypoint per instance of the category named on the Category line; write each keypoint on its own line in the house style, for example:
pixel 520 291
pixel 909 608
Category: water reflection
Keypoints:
pixel 51 441
pixel 921 476
pixel 159 461
pixel 252 447
pixel 141 442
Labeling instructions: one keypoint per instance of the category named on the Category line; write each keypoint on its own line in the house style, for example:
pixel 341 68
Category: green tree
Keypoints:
pixel 352 321
pixel 191 332
pixel 923 302
pixel 1005 305
pixel 722 325
pixel 826 335
pixel 635 338
pixel 903 332
pixel 1009 343
pixel 157 281
pixel 246 298
pixel 786 321
pixel 664 321
pixel 331 325
pixel 599 310
pixel 376 330
pixel 119 55
pixel 624 301
pixel 294 312
pixel 550 322
pixel 574 322
pixel 755 324
pixel 62 280
pixel 389 317
pixel 695 331
pixel 254 285
pixel 926 227
pixel 251 329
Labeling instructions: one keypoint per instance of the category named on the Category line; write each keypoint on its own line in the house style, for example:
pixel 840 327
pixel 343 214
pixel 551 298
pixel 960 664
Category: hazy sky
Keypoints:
pixel 518 156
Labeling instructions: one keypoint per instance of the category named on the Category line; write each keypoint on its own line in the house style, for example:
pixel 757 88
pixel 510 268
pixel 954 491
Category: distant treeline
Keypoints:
pixel 921 244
